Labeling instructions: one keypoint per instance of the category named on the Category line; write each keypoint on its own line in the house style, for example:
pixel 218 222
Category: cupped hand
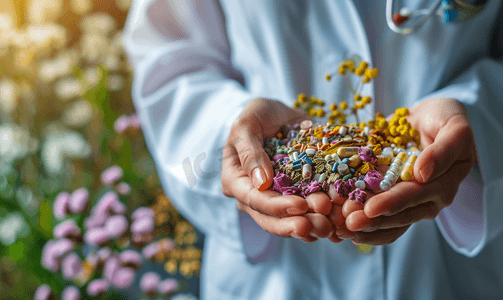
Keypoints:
pixel 247 174
pixel 447 157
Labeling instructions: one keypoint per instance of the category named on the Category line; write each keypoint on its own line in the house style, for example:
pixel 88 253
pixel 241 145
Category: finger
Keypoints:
pixel 235 183
pixel 453 142
pixel 335 217
pixel 248 143
pixel 380 237
pixel 321 226
pixel 334 196
pixel 297 226
pixel 411 193
pixel 344 233
pixel 268 202
pixel 319 202
pixel 358 221
pixel 350 206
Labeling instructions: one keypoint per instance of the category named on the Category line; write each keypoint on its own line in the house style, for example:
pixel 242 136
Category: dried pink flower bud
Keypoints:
pixel 60 206
pixel 116 226
pixel 71 266
pixel 359 195
pixel 97 287
pixel 123 278
pixel 79 200
pixel 372 179
pixel 281 181
pixel 342 188
pixel 312 187
pixel 168 286
pixel 149 283
pixel 111 175
pixel 367 154
pixel 71 293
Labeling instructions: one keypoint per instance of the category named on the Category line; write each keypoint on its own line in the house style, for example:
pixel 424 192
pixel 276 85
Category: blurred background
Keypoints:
pixel 64 108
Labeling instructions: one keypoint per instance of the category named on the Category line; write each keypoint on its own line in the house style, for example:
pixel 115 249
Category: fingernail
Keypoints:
pixel 356 243
pixel 426 171
pixel 331 234
pixel 258 177
pixel 345 235
pixel 294 211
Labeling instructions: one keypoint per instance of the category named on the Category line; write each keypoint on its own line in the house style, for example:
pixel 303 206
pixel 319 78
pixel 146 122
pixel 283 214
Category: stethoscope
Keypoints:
pixel 450 11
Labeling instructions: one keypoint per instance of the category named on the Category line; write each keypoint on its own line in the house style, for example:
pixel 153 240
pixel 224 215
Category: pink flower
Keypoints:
pixel 123 278
pixel 106 203
pixel 121 124
pixel 60 207
pixel 104 253
pixel 71 266
pixel 166 244
pixel 111 175
pixel 111 266
pixel 130 258
pixel 372 179
pixel 78 200
pixel 142 212
pixel 53 251
pixel 43 292
pixel 71 293
pixel 149 283
pixel 116 226
pixel 123 189
pixel 168 286
pixel 49 261
pixel 67 229
pixel 150 250
pixel 134 121
pixel 95 220
pixel 96 236
pixel 97 287
pixel 142 226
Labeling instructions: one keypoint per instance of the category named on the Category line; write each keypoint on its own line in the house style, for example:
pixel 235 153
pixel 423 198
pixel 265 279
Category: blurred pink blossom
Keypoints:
pixel 71 266
pixel 123 278
pixel 168 286
pixel 79 200
pixel 97 287
pixel 60 206
pixel 116 226
pixel 111 175
pixel 71 293
pixel 149 283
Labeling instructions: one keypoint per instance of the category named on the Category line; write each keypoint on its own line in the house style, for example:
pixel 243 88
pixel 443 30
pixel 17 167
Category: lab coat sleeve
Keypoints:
pixel 187 94
pixel 475 216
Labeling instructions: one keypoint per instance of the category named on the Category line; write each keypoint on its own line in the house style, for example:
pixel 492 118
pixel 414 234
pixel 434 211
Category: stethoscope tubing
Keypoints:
pixel 428 13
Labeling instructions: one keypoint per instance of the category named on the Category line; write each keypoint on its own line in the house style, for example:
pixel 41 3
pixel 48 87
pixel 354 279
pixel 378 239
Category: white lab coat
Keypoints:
pixel 197 63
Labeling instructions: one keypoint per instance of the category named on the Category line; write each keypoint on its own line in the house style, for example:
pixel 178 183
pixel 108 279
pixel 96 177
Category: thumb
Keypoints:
pixel 247 139
pixel 453 142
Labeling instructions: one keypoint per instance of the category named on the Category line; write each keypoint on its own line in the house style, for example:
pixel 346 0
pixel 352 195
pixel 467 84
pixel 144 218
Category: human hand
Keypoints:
pixel 448 155
pixel 247 174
